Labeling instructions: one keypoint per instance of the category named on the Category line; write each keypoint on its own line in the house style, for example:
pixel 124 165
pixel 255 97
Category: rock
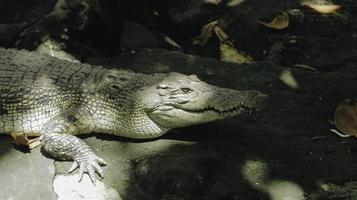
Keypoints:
pixel 24 175
pixel 68 188
pixel 8 33
pixel 136 37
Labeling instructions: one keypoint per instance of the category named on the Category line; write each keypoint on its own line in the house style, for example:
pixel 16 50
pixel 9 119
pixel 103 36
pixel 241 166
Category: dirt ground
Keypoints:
pixel 285 149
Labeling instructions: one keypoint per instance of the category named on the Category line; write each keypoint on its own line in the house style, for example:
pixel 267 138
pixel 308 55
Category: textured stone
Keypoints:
pixel 24 175
pixel 68 188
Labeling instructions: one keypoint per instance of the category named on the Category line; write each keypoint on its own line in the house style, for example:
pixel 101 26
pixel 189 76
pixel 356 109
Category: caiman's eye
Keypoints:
pixel 186 90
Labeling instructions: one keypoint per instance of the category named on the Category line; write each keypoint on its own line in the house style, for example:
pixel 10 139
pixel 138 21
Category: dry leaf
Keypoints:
pixel 22 139
pixel 320 6
pixel 230 54
pixel 345 118
pixel 227 51
pixel 206 34
pixel 222 36
pixel 323 9
pixel 288 78
pixel 279 22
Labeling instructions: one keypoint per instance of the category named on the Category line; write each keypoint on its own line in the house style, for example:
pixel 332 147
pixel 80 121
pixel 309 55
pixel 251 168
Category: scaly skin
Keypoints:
pixel 55 99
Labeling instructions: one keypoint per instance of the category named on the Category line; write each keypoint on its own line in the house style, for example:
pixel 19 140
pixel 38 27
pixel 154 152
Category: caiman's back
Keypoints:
pixel 36 88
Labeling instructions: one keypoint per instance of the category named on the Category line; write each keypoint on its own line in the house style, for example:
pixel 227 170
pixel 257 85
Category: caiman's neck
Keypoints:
pixel 140 126
pixel 131 124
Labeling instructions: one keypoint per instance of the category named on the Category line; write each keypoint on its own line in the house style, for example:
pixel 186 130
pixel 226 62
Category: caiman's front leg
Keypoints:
pixel 58 141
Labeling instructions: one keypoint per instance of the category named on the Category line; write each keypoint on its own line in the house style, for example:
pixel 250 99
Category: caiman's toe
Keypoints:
pixel 73 167
pixel 101 161
pixel 89 164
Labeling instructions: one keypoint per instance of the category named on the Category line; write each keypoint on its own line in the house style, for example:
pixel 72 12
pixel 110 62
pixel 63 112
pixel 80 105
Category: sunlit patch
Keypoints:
pixel 68 187
pixel 280 21
pixel 256 173
pixel 285 190
pixel 287 77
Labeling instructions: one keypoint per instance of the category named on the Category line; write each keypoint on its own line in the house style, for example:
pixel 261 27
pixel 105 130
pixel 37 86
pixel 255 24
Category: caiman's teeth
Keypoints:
pixel 228 111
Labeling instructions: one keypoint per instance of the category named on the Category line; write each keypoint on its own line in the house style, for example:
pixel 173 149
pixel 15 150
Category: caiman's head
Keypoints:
pixel 180 100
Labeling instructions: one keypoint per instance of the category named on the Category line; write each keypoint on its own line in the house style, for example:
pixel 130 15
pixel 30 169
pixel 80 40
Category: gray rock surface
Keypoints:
pixel 67 187
pixel 24 175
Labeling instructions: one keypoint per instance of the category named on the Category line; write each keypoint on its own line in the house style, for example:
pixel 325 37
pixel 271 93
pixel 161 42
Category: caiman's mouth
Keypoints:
pixel 237 109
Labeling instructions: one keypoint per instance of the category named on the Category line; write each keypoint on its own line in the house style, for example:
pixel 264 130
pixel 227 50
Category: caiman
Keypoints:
pixel 57 100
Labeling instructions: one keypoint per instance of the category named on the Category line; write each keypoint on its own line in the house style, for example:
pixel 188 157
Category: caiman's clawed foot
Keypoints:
pixel 88 163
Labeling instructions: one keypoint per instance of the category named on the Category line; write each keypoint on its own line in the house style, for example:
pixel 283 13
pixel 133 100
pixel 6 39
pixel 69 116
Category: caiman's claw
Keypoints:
pixel 88 163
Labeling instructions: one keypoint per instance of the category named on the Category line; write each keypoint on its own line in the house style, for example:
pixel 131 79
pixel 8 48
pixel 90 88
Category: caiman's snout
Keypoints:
pixel 253 100
pixel 232 102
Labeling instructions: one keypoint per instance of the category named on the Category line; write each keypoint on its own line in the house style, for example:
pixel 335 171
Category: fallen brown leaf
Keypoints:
pixel 323 9
pixel 22 139
pixel 320 6
pixel 222 36
pixel 230 54
pixel 206 34
pixel 345 117
pixel 281 21
pixel 227 51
